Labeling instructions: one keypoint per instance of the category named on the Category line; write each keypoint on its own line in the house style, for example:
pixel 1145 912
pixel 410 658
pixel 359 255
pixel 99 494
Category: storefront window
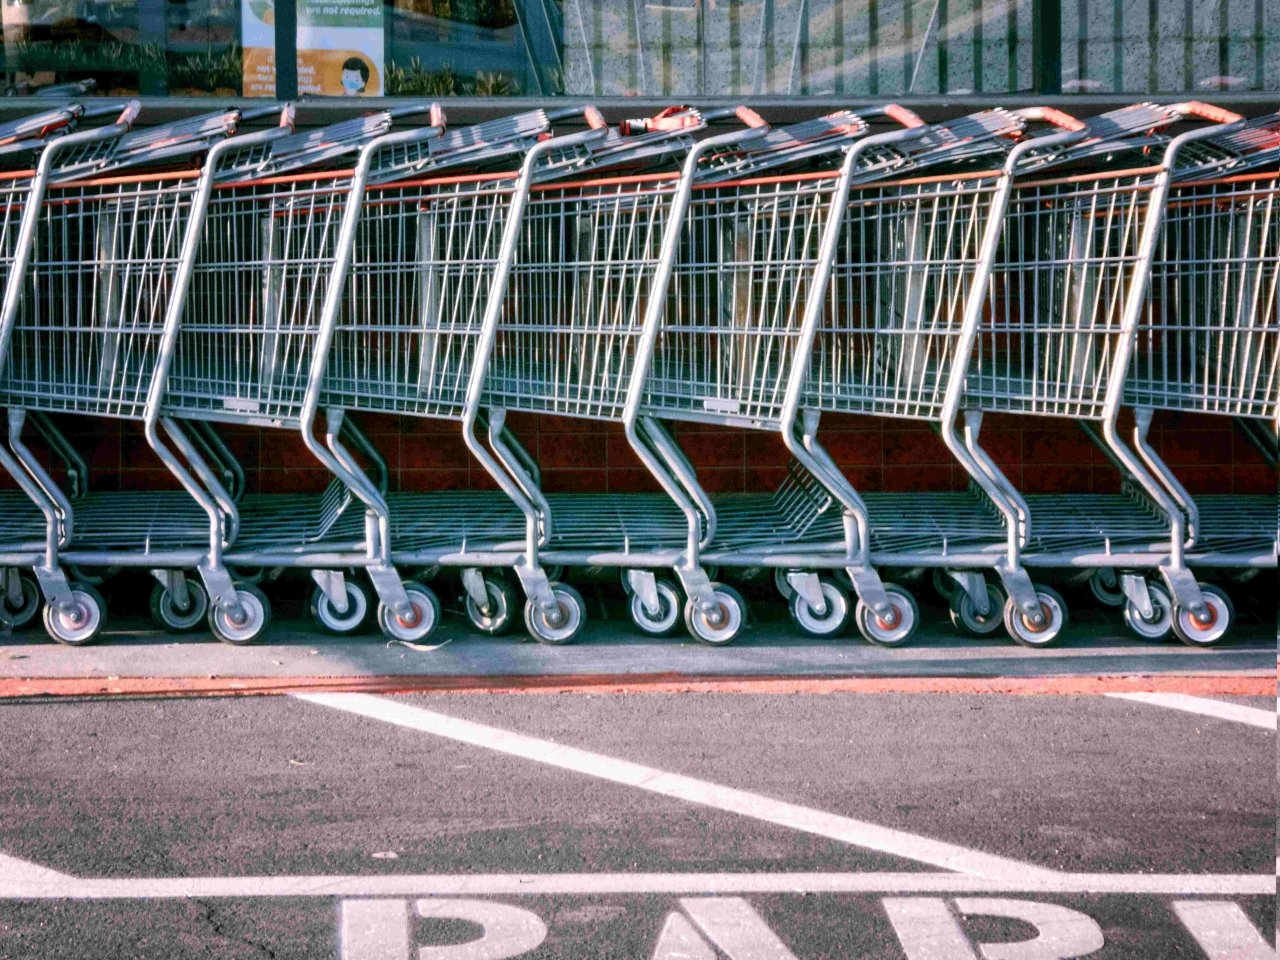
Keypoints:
pixel 667 48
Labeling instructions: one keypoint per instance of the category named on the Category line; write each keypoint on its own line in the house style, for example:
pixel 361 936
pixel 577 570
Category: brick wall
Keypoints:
pixel 1040 455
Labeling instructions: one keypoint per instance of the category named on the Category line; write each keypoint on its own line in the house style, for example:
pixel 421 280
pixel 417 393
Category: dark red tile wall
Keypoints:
pixel 1040 455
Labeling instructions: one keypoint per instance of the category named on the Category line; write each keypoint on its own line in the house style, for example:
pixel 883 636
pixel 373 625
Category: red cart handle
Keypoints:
pixel 904 116
pixel 1051 115
pixel 1206 111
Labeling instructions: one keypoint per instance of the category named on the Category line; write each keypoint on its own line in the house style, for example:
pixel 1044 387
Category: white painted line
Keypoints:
pixel 596 884
pixel 733 925
pixel 844 829
pixel 928 930
pixel 1223 931
pixel 373 930
pixel 14 870
pixel 1236 713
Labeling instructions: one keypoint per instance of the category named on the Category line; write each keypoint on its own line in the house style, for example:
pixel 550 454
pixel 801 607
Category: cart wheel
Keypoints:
pixel 733 617
pixel 664 623
pixel 830 624
pixel 1161 623
pixel 21 614
pixel 1048 633
pixel 81 626
pixel 425 618
pixel 944 585
pixel 966 618
pixel 1222 614
pixel 250 575
pixel 167 615
pixel 503 604
pixel 257 615
pixel 329 620
pixel 782 584
pixel 93 576
pixel 573 614
pixel 1106 595
pixel 885 633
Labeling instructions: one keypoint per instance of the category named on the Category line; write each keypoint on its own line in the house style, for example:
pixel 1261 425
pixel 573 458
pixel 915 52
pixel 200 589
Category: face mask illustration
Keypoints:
pixel 351 81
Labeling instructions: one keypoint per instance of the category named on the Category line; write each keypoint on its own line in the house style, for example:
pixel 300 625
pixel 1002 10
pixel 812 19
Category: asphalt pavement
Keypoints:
pixel 753 827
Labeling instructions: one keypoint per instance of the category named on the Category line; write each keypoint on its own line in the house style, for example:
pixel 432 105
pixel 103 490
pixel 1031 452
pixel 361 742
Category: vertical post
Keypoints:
pixel 1046 46
pixel 286 49
pixel 154 81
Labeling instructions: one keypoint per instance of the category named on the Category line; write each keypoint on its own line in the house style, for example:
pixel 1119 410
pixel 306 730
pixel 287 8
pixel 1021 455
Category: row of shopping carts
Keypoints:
pixel 658 271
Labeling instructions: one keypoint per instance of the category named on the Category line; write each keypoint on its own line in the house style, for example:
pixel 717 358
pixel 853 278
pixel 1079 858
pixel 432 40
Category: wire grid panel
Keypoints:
pixel 256 296
pixel 88 330
pixel 423 263
pixel 737 299
pixel 1054 307
pixel 1209 338
pixel 15 185
pixel 577 297
pixel 899 285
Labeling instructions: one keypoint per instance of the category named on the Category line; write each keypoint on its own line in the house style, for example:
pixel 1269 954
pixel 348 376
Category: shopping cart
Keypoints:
pixel 1063 279
pixel 429 264
pixel 80 327
pixel 1208 342
pixel 727 337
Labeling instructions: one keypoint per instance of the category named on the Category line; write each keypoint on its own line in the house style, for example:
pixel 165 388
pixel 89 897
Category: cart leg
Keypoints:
pixel 1017 583
pixel 697 587
pixel 1184 589
pixel 175 581
pixel 222 592
pixel 12 585
pixel 537 587
pixel 334 585
pixel 390 590
pixel 473 583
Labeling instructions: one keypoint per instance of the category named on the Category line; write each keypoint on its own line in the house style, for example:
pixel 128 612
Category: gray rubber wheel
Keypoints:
pixel 666 621
pixel 1222 615
pixel 1160 626
pixel 833 622
pixel 256 616
pixel 1024 632
pixel 893 632
pixel 421 624
pixel 966 618
pixel 724 629
pixel 1105 594
pixel 329 620
pixel 572 617
pixel 79 626
pixel 502 605
pixel 167 615
pixel 22 613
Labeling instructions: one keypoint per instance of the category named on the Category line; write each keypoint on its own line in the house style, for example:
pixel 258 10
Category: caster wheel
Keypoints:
pixel 421 624
pixel 829 624
pixel 573 615
pixel 502 605
pixel 1220 615
pixel 1161 623
pixel 249 575
pixel 781 584
pixel 966 618
pixel 173 620
pixel 729 623
pixel 946 587
pixel 256 615
pixel 665 621
pixel 328 618
pixel 24 611
pixel 1030 635
pixel 93 576
pixel 896 631
pixel 81 625
pixel 1106 594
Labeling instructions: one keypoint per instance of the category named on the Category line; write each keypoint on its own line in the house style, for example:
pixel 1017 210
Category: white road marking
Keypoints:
pixel 595 884
pixel 679 941
pixel 928 930
pixel 508 931
pixel 733 925
pixel 15 870
pixel 844 829
pixel 373 930
pixel 1223 931
pixel 1266 719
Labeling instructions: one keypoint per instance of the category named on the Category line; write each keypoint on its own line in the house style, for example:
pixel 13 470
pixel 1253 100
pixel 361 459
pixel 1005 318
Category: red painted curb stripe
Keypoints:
pixel 626 683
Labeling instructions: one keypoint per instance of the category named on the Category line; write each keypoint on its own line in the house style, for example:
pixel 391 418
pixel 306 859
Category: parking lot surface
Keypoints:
pixel 918 826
